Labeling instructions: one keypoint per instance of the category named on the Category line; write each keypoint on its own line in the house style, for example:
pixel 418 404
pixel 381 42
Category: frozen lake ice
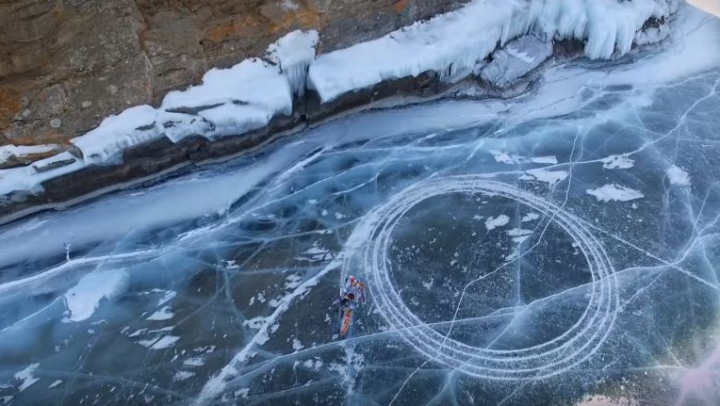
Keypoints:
pixel 547 249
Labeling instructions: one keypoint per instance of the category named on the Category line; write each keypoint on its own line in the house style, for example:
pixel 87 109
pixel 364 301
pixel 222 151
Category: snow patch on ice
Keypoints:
pixel 507 158
pixel 26 376
pixel 545 175
pixel 494 222
pixel 678 176
pixel 613 192
pixel 55 384
pixel 82 299
pixel 183 375
pixel 161 344
pixel 530 217
pixel 618 162
pixel 163 314
pixel 194 362
pixel 551 160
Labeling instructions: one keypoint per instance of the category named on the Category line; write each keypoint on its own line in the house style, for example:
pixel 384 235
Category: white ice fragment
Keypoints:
pixel 545 175
pixel 618 162
pixel 194 362
pixel 494 222
pixel 161 344
pixel 677 176
pixel 26 376
pixel 530 217
pixel 551 160
pixel 138 333
pixel 82 299
pixel 297 345
pixel 612 192
pixel 163 314
pixel 183 375
pixel 55 384
pixel 294 52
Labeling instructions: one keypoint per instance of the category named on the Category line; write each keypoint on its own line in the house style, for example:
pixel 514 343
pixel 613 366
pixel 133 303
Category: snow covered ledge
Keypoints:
pixel 461 40
pixel 249 97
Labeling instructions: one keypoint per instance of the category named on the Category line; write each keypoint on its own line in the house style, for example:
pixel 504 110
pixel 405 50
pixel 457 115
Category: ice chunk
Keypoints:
pixel 294 52
pixel 133 126
pixel 82 299
pixel 177 126
pixel 235 100
pixel 517 59
pixel 612 192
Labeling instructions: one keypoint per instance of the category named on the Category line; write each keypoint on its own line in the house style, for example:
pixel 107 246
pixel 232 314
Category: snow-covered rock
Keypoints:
pixel 229 101
pixel 516 59
pixel 461 39
pixel 294 52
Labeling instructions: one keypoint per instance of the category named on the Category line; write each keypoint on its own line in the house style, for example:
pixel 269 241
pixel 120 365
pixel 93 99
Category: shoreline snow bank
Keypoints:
pixel 459 40
pixel 229 101
pixel 248 95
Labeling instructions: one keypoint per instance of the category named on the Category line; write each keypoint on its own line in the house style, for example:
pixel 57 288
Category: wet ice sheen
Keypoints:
pixel 489 280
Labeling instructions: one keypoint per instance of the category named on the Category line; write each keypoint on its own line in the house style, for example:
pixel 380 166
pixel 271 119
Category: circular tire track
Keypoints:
pixel 368 250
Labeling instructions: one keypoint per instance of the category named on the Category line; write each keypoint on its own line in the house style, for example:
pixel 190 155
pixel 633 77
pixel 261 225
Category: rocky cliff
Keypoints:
pixel 66 64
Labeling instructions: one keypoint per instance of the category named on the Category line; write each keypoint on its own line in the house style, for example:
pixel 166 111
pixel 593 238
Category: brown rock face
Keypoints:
pixel 66 64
